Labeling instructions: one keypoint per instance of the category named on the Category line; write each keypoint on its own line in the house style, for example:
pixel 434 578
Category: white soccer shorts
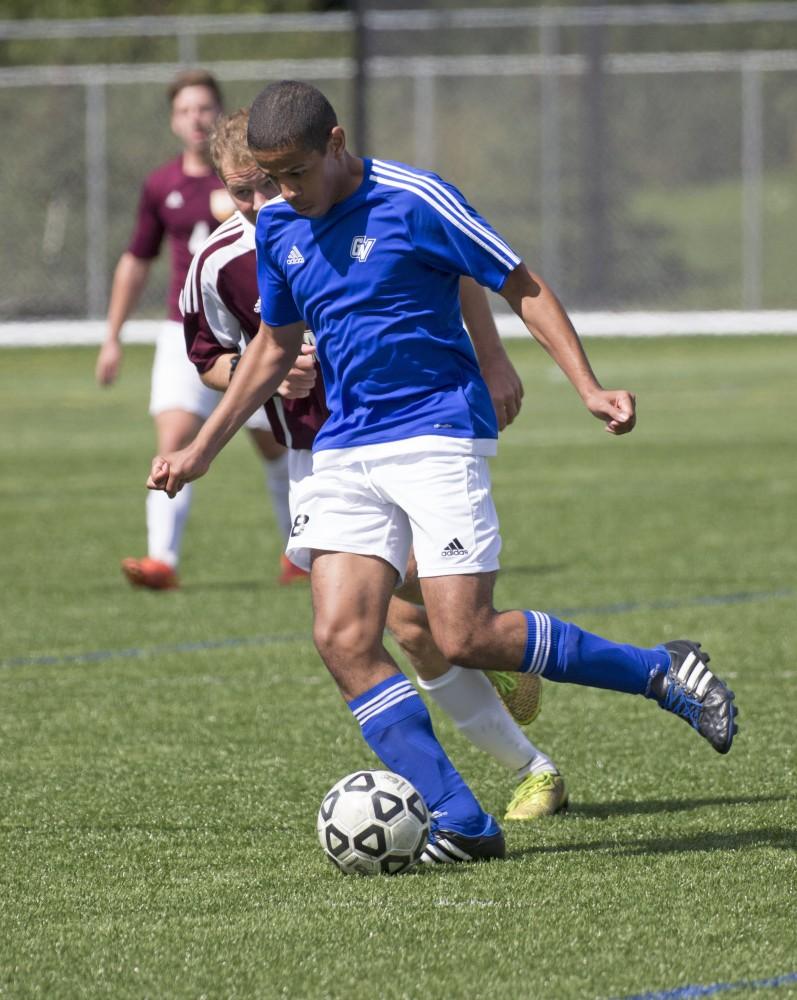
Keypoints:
pixel 300 466
pixel 176 385
pixel 440 503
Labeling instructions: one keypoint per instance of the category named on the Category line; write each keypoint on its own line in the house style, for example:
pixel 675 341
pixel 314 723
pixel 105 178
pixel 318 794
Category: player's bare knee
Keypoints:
pixel 413 637
pixel 463 645
pixel 450 645
pixel 324 638
pixel 338 640
pixel 408 624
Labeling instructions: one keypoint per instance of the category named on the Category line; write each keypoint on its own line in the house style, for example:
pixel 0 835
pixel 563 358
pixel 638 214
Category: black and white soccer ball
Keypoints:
pixel 373 823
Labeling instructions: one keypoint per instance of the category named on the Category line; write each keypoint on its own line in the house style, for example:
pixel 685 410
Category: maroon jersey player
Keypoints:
pixel 181 203
pixel 221 315
pixel 183 209
pixel 221 312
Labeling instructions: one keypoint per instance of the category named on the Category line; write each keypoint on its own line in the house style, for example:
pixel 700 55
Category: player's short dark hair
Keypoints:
pixel 194 78
pixel 290 113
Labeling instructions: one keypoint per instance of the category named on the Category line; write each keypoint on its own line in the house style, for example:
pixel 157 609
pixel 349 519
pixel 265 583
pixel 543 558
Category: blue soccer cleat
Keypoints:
pixel 691 691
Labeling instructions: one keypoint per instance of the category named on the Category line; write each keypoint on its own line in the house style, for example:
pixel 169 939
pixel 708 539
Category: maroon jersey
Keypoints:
pixel 178 206
pixel 221 307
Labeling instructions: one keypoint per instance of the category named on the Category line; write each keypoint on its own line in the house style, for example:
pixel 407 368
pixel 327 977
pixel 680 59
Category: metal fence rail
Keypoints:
pixel 680 195
pixel 403 20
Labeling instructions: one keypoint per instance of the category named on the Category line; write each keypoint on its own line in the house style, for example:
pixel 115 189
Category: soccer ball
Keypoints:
pixel 373 823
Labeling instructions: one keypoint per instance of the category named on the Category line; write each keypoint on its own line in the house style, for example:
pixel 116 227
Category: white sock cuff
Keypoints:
pixel 166 520
pixel 438 682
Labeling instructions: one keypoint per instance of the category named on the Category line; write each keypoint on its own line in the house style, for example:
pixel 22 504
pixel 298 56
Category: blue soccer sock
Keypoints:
pixel 395 724
pixel 561 651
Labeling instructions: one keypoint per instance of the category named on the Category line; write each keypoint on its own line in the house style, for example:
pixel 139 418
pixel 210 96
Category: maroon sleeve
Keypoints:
pixel 202 347
pixel 201 344
pixel 148 232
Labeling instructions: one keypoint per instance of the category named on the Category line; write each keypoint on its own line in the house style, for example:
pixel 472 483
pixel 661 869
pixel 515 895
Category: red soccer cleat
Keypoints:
pixel 151 573
pixel 290 572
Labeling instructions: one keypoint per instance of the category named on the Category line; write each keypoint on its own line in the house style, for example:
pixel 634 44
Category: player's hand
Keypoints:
pixel 506 389
pixel 615 407
pixel 299 382
pixel 171 472
pixel 109 361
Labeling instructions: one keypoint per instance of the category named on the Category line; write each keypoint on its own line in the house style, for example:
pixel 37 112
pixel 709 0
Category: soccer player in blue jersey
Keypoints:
pixel 369 254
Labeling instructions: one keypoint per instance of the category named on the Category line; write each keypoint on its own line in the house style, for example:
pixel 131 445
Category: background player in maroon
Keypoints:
pixel 182 201
pixel 218 305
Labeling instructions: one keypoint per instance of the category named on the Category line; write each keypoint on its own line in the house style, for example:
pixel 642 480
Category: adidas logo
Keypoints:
pixel 295 256
pixel 454 548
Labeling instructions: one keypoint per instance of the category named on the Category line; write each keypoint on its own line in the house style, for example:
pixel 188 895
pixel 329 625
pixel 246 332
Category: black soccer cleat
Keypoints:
pixel 691 691
pixel 445 847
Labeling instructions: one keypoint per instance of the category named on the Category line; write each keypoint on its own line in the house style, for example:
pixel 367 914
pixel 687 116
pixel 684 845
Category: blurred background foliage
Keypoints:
pixel 661 153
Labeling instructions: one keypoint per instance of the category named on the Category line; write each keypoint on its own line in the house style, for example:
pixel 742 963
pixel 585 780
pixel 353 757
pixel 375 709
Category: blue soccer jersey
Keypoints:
pixel 377 280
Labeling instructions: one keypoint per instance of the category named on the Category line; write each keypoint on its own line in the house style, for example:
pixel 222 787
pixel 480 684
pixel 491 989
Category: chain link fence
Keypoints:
pixel 639 158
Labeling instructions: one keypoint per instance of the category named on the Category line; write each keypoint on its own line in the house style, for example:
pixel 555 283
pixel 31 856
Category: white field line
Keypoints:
pixel 57 333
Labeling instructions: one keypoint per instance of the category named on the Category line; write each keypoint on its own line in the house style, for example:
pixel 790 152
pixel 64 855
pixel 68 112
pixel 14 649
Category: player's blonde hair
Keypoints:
pixel 228 142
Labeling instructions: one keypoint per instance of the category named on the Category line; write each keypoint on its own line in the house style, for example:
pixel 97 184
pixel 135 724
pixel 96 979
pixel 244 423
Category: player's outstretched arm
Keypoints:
pixel 297 384
pixel 262 368
pixel 550 325
pixel 506 389
pixel 218 375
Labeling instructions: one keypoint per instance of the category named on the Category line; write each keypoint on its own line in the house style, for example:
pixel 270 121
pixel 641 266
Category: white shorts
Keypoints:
pixel 300 466
pixel 439 503
pixel 176 384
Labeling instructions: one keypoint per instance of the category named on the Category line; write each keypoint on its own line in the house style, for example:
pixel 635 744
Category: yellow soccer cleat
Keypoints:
pixel 538 795
pixel 520 693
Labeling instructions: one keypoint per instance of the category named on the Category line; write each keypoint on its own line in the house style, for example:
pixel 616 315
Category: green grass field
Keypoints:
pixel 703 223
pixel 164 755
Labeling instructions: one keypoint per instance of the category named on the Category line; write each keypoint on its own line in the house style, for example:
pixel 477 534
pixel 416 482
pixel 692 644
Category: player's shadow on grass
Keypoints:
pixel 783 838
pixel 606 810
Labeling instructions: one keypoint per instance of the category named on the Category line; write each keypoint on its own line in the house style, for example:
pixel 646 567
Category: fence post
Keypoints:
pixel 96 199
pixel 360 79
pixel 550 188
pixel 424 87
pixel 752 174
pixel 187 49
pixel 594 163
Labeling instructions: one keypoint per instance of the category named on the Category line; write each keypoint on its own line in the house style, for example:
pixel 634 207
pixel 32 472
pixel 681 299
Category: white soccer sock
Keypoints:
pixel 165 524
pixel 278 481
pixel 473 705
